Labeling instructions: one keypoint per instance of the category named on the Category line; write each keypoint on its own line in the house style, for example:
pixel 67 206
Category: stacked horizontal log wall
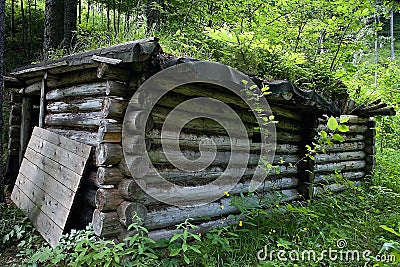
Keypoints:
pixel 89 106
pixel 349 160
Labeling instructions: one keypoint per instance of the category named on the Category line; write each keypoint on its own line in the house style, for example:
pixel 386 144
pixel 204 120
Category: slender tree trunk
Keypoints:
pixel 30 26
pixel 80 11
pixel 23 23
pixel 54 26
pixel 108 15
pixel 377 21
pixel 127 15
pixel 153 19
pixel 13 18
pixel 392 56
pixel 114 18
pixel 88 13
pixel 2 39
pixel 70 17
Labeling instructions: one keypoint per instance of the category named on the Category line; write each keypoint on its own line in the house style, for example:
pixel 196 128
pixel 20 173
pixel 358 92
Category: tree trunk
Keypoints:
pixel 13 18
pixel 2 37
pixel 54 26
pixel 153 18
pixel 23 23
pixel 70 17
pixel 392 56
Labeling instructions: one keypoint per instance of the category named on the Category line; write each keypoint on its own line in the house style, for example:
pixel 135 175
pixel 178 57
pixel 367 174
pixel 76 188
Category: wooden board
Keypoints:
pixel 48 180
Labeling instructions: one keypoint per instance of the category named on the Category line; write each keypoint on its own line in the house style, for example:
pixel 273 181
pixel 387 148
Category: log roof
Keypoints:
pixel 283 92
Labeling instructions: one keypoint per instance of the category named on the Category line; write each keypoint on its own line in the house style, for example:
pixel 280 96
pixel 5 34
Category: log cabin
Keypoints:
pixel 84 97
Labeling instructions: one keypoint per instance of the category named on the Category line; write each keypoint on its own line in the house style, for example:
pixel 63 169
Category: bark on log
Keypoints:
pixel 352 128
pixel 114 73
pixel 107 199
pixel 91 89
pixel 341 147
pixel 82 120
pixel 324 178
pixel 156 219
pixel 88 104
pixel 106 224
pixel 73 78
pixel 130 190
pixel 80 136
pixel 114 108
pixel 16 110
pixel 126 211
pixel 340 166
pixel 109 132
pixel 341 156
pixel 108 154
pixel 108 176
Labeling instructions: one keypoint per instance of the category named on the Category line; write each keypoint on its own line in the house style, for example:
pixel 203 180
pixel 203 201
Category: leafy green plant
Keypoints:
pixel 180 249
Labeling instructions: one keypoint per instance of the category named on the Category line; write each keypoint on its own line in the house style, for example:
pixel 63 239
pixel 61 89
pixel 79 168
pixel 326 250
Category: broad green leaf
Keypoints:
pixel 344 119
pixel 338 137
pixel 343 128
pixel 332 124
pixel 174 252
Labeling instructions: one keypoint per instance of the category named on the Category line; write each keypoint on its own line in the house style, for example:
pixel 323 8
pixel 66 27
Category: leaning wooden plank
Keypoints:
pixel 47 204
pixel 68 159
pixel 51 185
pixel 63 142
pixel 44 224
pixel 69 178
pixel 91 89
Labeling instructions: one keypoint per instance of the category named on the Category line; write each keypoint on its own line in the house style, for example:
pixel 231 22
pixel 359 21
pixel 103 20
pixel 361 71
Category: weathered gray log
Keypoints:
pixel 336 188
pixel 76 105
pixel 90 120
pixel 107 72
pixel 108 176
pixel 73 78
pixel 323 178
pixel 126 211
pixel 188 140
pixel 42 101
pixel 341 156
pixel 106 224
pixel 108 154
pixel 32 89
pixel 107 199
pixel 156 219
pixel 341 147
pixel 26 114
pixel 104 88
pixel 109 132
pixel 340 166
pixel 352 128
pixel 114 108
pixel 135 121
pixel 107 60
pixel 89 138
pixel 131 191
pixel 221 157
pixel 175 175
pixel 352 119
